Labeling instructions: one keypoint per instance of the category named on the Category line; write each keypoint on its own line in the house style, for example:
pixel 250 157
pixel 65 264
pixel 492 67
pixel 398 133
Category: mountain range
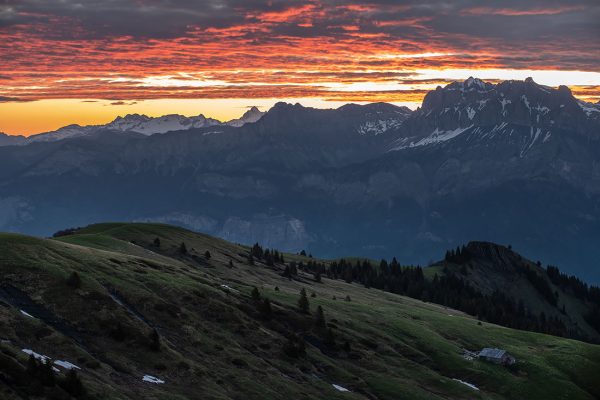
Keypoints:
pixel 133 123
pixel 514 162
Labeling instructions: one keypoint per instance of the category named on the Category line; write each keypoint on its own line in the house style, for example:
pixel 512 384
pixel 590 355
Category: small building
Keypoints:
pixel 497 356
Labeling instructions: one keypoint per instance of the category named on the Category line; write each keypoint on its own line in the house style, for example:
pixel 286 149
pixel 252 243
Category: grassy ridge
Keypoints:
pixel 214 344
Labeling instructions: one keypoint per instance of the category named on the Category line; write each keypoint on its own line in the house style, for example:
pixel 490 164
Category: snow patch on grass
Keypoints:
pixel 25 313
pixel 66 364
pixel 37 356
pixel 466 384
pixel 152 379
pixel 340 388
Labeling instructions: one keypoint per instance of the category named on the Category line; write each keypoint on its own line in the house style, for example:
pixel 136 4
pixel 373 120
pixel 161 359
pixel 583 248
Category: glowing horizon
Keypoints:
pixel 87 62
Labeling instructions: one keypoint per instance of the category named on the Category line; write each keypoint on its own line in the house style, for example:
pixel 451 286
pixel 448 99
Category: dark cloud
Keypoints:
pixel 8 99
pixel 123 103
pixel 116 49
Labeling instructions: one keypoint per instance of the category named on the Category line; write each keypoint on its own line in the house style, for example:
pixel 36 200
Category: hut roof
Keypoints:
pixel 492 353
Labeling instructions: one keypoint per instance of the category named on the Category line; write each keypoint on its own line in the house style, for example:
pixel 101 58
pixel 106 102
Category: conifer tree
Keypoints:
pixel 320 318
pixel 72 384
pixel 303 304
pixel 207 255
pixel 255 294
pixel 265 309
pixel 183 248
pixel 154 340
pixel 74 280
pixel 157 242
pixel 329 338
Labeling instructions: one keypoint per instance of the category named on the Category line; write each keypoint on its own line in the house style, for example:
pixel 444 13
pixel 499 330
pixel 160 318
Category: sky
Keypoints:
pixel 86 62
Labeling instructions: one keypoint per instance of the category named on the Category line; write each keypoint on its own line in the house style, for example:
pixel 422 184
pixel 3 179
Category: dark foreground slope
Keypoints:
pixel 213 341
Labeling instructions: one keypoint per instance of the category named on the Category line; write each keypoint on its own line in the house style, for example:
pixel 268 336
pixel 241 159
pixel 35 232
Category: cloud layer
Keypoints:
pixel 343 50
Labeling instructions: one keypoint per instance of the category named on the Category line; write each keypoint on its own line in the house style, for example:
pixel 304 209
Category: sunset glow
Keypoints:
pixel 87 62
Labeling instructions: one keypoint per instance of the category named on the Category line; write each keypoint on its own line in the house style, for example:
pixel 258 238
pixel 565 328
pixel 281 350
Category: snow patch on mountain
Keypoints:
pixel 167 123
pixel 378 127
pixel 249 117
pixel 589 108
pixel 437 136
pixel 143 124
pixel 66 132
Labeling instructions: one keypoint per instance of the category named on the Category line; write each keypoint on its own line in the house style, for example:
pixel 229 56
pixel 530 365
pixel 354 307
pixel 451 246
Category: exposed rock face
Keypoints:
pixel 274 232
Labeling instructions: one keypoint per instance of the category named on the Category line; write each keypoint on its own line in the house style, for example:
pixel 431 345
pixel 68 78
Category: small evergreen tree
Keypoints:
pixel 207 255
pixel 230 263
pixel 154 340
pixel 294 347
pixel 157 242
pixel 329 338
pixel 318 277
pixel 32 366
pixel 72 384
pixel 265 309
pixel 347 347
pixel 74 280
pixel 303 304
pixel 255 294
pixel 320 318
pixel 46 373
pixel 183 248
pixel 250 259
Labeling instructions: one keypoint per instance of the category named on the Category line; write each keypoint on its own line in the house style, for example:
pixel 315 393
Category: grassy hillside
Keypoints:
pixel 214 342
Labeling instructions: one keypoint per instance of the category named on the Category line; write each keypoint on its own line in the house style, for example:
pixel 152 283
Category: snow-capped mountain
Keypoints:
pixel 11 140
pixel 66 132
pixel 250 116
pixel 167 123
pixel 142 124
pixel 482 111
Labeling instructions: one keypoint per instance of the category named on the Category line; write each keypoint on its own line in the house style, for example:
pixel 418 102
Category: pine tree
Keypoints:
pixel 303 304
pixel 72 384
pixel 47 373
pixel 318 277
pixel 295 347
pixel 320 318
pixel 255 294
pixel 74 280
pixel 347 347
pixel 207 255
pixel 32 366
pixel 329 338
pixel 154 340
pixel 250 259
pixel 183 248
pixel 265 309
pixel 157 242
pixel 230 263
